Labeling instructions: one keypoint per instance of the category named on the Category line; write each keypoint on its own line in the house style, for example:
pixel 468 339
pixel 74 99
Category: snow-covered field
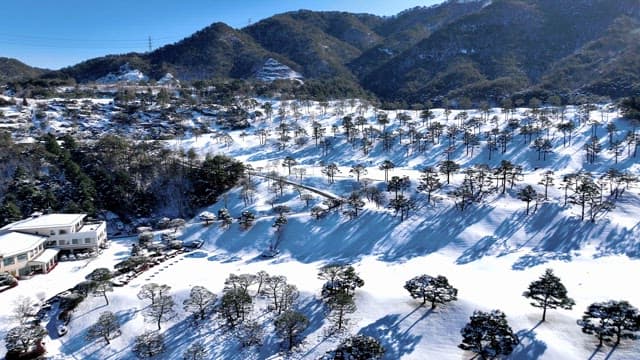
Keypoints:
pixel 490 252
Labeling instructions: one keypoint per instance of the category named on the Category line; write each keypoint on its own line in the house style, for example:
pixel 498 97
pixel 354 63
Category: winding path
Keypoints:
pixel 323 193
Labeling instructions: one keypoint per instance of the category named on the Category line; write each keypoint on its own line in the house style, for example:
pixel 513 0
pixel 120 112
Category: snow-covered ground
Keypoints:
pixel 490 252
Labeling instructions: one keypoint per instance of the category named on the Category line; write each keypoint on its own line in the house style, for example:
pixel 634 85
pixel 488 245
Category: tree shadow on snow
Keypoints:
pixel 315 311
pixel 561 241
pixel 621 241
pixel 196 255
pixel 126 315
pixel 343 241
pixel 396 341
pixel 430 233
pixel 529 347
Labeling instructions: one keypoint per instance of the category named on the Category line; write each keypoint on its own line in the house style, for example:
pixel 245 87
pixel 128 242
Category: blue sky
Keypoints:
pixel 54 34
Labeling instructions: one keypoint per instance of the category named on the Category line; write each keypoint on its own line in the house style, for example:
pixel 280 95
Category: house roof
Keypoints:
pixel 46 221
pixel 12 243
pixel 46 256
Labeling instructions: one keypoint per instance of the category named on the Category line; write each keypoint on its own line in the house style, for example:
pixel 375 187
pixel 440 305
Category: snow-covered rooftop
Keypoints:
pixel 12 243
pixel 45 221
pixel 46 256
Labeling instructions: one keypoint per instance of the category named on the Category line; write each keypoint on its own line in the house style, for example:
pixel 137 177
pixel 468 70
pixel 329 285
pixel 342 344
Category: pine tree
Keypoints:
pixel 235 305
pixel 402 205
pixel 107 327
pixel 527 194
pixel 246 219
pixel 153 291
pixel 447 168
pixel 273 288
pixel 9 212
pixel 543 147
pixel 586 190
pixel 386 166
pixel 433 289
pixel 200 302
pixel 429 182
pixel 355 202
pixel 488 334
pixel 250 333
pixel 548 292
pixel 614 318
pixel 340 278
pixel 398 184
pixel 240 282
pixel 546 181
pixel 102 284
pixel 358 347
pixel 23 309
pixel 162 311
pixel 22 338
pixel 148 344
pixel 224 217
pixel 358 170
pixel 330 170
pixel 339 306
pixel 195 351
pixel 288 162
pixel 289 325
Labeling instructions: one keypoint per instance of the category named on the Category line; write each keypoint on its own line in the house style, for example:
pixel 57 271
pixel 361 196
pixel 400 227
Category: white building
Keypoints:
pixel 22 254
pixel 64 231
pixel 32 245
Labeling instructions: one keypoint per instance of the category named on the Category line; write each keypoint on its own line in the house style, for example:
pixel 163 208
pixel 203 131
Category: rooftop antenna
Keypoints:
pixel 149 43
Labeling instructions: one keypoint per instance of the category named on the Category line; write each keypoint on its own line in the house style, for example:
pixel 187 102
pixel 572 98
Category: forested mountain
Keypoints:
pixel 484 50
pixel 401 32
pixel 12 69
pixel 322 43
pixel 509 46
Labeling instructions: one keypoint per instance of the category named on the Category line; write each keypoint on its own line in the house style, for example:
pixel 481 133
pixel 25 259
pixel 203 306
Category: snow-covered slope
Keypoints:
pixel 168 79
pixel 126 74
pixel 275 70
pixel 490 251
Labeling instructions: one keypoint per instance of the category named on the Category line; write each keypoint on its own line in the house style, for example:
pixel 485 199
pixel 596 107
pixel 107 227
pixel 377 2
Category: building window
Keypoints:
pixel 53 232
pixel 9 261
pixel 62 242
pixel 22 257
pixel 62 232
pixel 75 241
pixel 87 240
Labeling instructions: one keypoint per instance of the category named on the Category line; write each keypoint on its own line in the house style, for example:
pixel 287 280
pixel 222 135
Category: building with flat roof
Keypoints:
pixel 64 231
pixel 17 250
pixel 32 245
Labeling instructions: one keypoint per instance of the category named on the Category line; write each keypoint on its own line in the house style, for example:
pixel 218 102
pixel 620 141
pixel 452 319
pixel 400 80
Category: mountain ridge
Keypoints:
pixel 483 50
pixel 13 69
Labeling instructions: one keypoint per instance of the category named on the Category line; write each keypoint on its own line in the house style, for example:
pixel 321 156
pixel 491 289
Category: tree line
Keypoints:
pixel 487 334
pixel 129 178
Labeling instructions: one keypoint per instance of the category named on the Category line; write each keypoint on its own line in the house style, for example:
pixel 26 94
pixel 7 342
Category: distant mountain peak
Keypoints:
pixel 481 49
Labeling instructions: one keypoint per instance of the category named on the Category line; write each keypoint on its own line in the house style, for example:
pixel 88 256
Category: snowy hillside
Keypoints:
pixel 275 70
pixel 126 74
pixel 489 248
